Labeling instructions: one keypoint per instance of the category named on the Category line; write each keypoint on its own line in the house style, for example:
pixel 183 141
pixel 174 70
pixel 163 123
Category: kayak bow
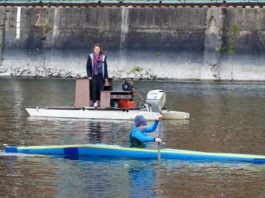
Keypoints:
pixel 104 150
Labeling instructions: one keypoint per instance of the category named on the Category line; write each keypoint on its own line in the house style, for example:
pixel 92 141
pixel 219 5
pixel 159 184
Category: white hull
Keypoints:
pixel 92 113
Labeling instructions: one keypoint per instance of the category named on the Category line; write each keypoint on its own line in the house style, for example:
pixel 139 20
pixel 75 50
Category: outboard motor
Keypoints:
pixel 155 100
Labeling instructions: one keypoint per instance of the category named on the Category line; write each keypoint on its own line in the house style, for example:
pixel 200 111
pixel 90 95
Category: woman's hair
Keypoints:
pixel 100 47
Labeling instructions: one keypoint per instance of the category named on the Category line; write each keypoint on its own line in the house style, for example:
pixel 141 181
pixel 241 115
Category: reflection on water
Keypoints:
pixel 225 117
pixel 107 177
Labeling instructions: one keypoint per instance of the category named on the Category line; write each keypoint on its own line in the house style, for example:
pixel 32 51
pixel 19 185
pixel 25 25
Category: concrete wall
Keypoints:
pixel 163 42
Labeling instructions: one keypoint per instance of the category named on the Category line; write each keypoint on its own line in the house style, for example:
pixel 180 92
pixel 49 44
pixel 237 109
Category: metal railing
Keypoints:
pixel 134 2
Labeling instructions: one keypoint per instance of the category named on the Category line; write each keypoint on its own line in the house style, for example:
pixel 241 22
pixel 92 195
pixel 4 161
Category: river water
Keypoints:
pixel 225 117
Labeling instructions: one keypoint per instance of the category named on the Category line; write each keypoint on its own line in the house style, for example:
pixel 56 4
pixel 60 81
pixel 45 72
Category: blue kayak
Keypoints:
pixel 104 150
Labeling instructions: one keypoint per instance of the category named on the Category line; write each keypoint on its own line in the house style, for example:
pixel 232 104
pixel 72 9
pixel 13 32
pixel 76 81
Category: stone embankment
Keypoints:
pixel 151 42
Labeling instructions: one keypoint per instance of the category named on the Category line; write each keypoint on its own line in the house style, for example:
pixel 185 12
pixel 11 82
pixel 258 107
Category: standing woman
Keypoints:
pixel 97 72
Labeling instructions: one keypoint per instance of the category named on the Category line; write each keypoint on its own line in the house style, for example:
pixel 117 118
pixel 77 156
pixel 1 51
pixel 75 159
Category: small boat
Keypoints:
pixel 153 107
pixel 103 113
pixel 105 150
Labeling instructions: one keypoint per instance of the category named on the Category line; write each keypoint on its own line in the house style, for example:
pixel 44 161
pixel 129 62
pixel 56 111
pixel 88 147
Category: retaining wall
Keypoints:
pixel 156 42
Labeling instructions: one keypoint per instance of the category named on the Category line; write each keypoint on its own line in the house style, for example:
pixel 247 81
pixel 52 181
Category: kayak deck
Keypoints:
pixel 104 150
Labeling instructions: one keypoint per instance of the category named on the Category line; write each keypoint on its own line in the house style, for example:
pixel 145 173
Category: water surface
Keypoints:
pixel 225 117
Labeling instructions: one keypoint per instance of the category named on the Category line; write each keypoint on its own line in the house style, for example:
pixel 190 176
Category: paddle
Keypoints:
pixel 158 143
pixel 158 152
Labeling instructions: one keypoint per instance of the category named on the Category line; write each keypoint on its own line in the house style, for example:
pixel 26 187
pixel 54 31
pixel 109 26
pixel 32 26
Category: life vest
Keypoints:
pixel 134 142
pixel 103 62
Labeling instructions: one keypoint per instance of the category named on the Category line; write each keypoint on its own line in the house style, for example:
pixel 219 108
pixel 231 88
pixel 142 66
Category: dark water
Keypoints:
pixel 225 117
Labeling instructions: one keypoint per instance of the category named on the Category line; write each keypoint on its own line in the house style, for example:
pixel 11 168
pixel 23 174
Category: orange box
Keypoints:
pixel 127 104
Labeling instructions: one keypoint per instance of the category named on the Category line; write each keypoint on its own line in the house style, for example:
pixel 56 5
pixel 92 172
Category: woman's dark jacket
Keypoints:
pixel 89 66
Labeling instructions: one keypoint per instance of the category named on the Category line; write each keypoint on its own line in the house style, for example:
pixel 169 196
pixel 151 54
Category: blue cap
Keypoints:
pixel 140 121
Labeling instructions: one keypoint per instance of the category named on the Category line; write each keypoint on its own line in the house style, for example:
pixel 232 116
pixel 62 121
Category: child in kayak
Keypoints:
pixel 138 136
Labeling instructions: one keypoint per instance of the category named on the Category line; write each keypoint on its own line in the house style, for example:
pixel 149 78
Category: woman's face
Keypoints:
pixel 97 50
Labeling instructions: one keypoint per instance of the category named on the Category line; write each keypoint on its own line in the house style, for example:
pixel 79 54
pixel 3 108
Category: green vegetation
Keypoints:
pixel 136 69
pixel 46 28
pixel 225 29
pixel 140 73
pixel 232 46
pixel 157 53
pixel 221 50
